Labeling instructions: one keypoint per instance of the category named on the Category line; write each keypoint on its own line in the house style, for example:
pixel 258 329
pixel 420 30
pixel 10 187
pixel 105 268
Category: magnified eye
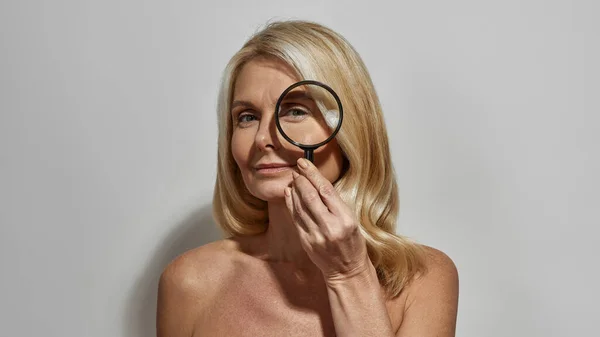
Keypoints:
pixel 294 113
pixel 308 115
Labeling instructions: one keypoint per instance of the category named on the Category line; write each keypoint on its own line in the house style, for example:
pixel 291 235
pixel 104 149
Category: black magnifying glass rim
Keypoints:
pixel 322 85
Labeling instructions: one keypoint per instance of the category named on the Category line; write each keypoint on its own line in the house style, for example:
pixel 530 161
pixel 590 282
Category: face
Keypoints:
pixel 264 157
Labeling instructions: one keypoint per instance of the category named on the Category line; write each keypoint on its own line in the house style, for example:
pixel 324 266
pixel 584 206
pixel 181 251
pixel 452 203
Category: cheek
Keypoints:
pixel 236 149
pixel 330 160
pixel 241 143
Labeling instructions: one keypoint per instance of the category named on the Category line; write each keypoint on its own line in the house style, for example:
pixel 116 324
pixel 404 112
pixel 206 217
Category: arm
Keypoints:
pixel 358 306
pixel 330 235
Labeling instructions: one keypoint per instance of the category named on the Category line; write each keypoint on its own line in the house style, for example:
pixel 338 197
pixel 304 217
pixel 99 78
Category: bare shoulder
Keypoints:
pixel 440 276
pixel 432 298
pixel 189 283
pixel 439 267
pixel 201 264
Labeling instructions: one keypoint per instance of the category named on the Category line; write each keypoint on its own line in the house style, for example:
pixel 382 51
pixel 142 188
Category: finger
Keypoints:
pixel 289 203
pixel 328 194
pixel 302 213
pixel 311 234
pixel 311 200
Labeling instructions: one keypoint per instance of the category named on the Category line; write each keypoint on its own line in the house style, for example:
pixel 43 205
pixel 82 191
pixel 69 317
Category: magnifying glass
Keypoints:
pixel 308 114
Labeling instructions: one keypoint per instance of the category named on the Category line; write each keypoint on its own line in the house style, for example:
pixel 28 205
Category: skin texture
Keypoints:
pixel 309 274
pixel 255 138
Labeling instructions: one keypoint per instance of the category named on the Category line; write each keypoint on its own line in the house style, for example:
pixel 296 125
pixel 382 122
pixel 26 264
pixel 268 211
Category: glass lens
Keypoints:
pixel 308 114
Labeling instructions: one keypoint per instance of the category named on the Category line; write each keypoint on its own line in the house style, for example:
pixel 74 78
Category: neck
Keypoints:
pixel 283 243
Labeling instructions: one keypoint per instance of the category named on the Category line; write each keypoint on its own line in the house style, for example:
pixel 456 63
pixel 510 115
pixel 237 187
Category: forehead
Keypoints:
pixel 262 80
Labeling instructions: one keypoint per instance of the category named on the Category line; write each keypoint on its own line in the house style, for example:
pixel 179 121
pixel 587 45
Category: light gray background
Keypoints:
pixel 108 135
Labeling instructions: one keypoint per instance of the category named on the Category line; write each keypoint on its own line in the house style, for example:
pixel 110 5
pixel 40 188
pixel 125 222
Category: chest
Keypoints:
pixel 271 303
pixel 266 321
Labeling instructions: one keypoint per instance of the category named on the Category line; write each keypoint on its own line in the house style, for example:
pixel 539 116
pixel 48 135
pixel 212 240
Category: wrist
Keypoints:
pixel 363 274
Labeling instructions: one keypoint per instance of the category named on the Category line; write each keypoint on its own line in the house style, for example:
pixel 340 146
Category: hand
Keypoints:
pixel 328 229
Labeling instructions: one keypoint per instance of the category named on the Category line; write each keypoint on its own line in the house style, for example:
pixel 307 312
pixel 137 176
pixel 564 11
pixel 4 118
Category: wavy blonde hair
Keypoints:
pixel 368 183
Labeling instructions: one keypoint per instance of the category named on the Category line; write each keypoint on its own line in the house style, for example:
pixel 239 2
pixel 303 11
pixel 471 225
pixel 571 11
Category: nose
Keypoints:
pixel 266 135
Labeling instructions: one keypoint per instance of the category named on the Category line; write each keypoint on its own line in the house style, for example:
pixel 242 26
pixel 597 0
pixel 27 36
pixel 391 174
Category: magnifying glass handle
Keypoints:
pixel 308 154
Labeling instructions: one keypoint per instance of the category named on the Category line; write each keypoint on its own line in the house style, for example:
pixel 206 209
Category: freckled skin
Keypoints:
pixel 255 297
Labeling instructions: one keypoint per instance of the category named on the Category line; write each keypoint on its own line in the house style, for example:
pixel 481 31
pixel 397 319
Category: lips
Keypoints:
pixel 271 166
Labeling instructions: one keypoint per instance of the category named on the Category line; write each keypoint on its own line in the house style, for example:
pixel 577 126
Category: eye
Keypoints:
pixel 297 112
pixel 245 118
pixel 294 113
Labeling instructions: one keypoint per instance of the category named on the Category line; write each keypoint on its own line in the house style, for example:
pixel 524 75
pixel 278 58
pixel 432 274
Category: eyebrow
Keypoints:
pixel 292 95
pixel 298 94
pixel 238 103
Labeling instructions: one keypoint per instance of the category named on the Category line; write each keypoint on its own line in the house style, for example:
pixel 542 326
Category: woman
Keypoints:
pixel 312 248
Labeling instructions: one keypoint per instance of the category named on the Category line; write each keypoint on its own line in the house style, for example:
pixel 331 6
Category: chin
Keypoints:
pixel 269 191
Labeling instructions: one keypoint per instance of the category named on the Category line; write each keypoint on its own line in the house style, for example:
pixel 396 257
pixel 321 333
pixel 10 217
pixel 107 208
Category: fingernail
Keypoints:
pixel 302 163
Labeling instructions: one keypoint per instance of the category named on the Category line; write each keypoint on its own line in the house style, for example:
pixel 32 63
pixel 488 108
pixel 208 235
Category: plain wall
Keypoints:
pixel 108 150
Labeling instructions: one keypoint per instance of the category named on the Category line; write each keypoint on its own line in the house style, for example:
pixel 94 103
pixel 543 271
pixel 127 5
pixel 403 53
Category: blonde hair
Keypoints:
pixel 368 183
